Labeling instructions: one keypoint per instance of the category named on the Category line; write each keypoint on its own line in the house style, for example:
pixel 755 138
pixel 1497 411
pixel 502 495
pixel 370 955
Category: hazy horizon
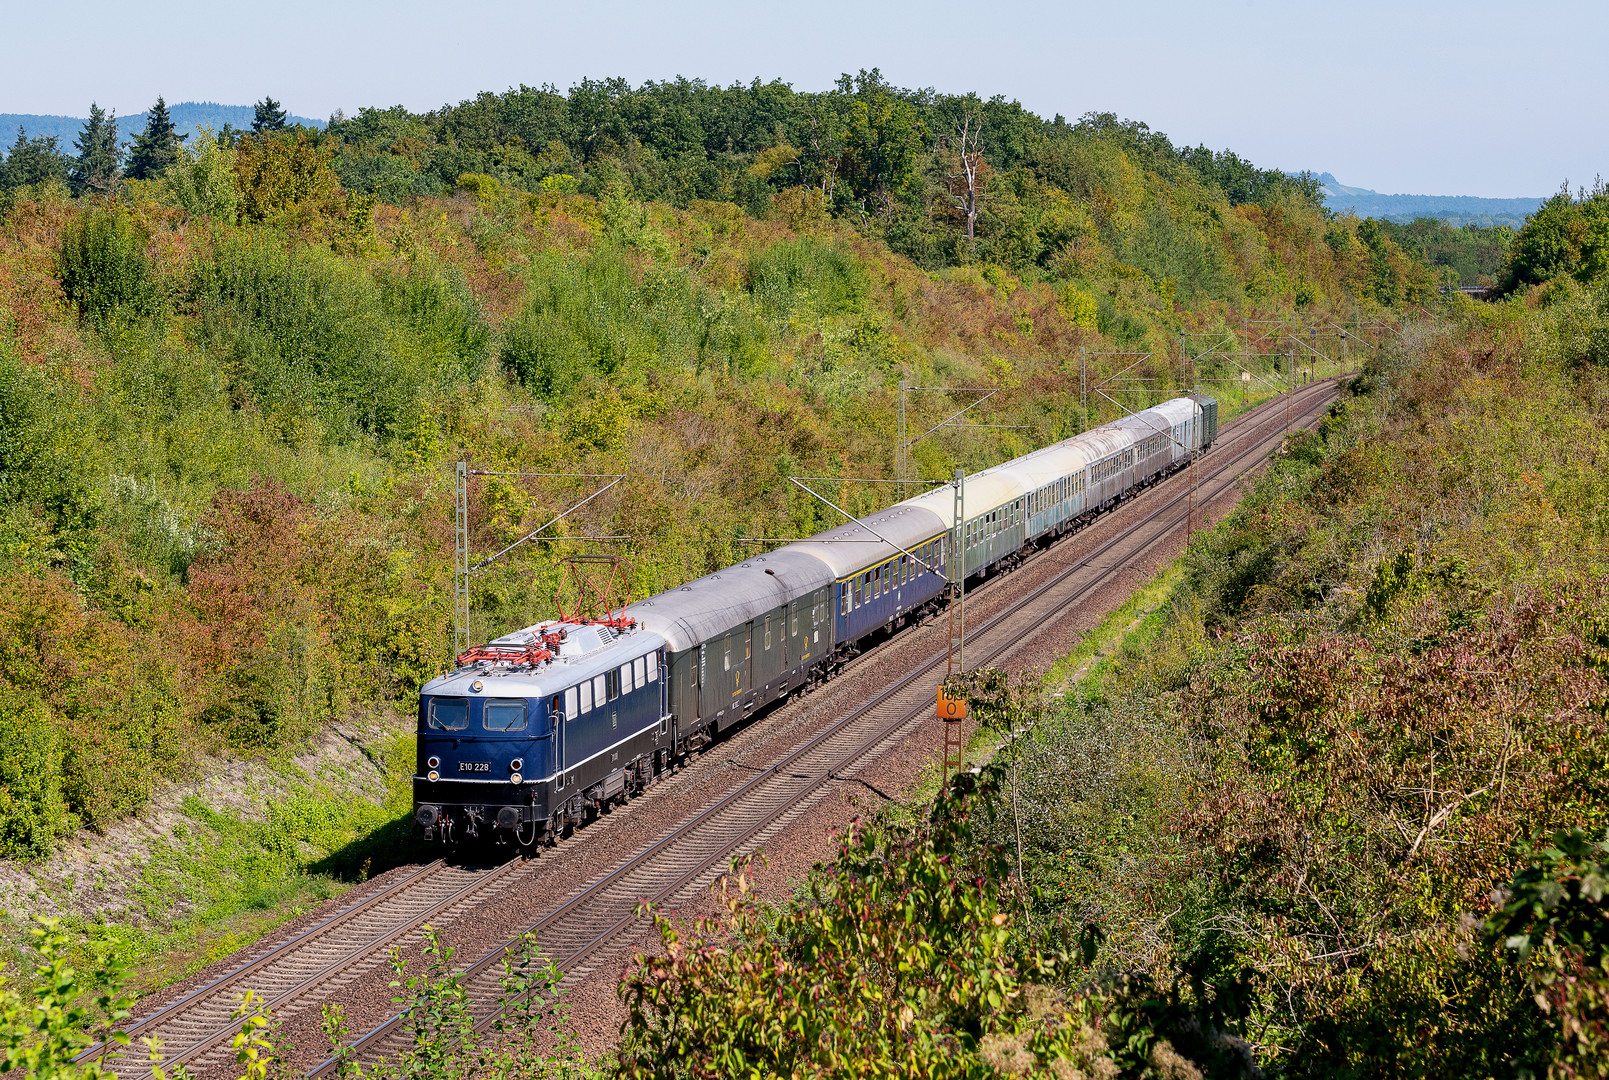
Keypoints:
pixel 1416 98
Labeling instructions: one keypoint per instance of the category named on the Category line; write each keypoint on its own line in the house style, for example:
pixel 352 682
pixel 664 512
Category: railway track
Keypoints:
pixel 315 964
pixel 694 852
pixel 196 1029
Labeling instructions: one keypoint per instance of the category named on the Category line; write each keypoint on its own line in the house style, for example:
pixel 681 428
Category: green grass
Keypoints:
pixel 1130 626
pixel 222 878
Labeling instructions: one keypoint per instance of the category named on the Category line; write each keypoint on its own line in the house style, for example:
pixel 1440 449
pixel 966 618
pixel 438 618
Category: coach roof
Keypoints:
pixel 855 545
pixel 718 602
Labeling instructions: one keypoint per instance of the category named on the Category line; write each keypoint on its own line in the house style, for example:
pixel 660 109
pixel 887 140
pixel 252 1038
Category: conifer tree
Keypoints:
pixel 96 165
pixel 157 146
pixel 269 116
pixel 32 161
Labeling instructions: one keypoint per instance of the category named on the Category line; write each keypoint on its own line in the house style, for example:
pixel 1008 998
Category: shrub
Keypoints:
pixel 904 960
pixel 277 173
pixel 806 273
pixel 49 512
pixel 103 269
pixel 315 343
pixel 202 182
pixel 1556 926
pixel 32 809
pixel 593 317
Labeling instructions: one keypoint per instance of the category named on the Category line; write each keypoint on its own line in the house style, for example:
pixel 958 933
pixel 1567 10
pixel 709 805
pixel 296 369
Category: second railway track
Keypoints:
pixel 315 964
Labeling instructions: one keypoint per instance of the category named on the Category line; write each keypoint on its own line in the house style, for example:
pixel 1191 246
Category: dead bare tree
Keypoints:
pixel 965 185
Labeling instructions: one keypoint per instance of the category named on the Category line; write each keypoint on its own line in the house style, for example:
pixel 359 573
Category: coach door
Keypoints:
pixel 742 664
pixel 711 678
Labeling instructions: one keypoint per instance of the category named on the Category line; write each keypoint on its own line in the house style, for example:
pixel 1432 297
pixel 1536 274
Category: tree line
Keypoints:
pixel 100 160
pixel 944 178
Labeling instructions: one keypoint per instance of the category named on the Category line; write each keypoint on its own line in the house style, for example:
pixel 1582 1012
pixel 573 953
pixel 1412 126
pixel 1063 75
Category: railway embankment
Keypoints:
pixel 210 864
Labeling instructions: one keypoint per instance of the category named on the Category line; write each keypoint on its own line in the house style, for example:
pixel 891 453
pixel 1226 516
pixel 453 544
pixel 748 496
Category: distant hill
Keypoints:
pixel 188 117
pixel 1453 209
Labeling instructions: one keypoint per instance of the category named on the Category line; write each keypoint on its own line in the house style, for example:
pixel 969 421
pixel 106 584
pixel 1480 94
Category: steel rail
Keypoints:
pixel 383 1037
pixel 216 1004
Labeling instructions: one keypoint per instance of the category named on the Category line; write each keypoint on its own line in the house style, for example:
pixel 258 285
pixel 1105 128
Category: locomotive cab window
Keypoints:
pixel 449 714
pixel 504 716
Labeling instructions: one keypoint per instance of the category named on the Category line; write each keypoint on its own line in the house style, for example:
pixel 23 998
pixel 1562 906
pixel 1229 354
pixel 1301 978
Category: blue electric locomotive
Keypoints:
pixel 537 728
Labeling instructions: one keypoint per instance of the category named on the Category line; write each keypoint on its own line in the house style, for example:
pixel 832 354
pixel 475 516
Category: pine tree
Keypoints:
pixel 269 116
pixel 32 161
pixel 156 147
pixel 96 166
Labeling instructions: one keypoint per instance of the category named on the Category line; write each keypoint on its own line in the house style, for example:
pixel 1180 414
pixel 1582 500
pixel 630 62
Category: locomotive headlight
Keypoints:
pixel 516 778
pixel 516 765
pixel 434 775
pixel 433 761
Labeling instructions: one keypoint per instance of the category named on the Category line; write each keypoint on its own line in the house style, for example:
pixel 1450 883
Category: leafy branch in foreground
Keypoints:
pixel 901 962
pixel 1556 925
pixel 42 1036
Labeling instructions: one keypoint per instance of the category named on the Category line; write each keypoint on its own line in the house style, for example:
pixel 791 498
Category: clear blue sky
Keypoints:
pixel 1467 98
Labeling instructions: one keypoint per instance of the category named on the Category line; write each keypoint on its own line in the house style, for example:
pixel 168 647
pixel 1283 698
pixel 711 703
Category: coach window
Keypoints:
pixel 768 633
pixel 726 656
pixel 449 714
pixel 793 623
pixel 504 716
pixel 847 598
pixel 586 696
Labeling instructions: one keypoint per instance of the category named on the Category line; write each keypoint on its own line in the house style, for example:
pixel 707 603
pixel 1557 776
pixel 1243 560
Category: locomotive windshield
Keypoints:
pixel 449 714
pixel 505 716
